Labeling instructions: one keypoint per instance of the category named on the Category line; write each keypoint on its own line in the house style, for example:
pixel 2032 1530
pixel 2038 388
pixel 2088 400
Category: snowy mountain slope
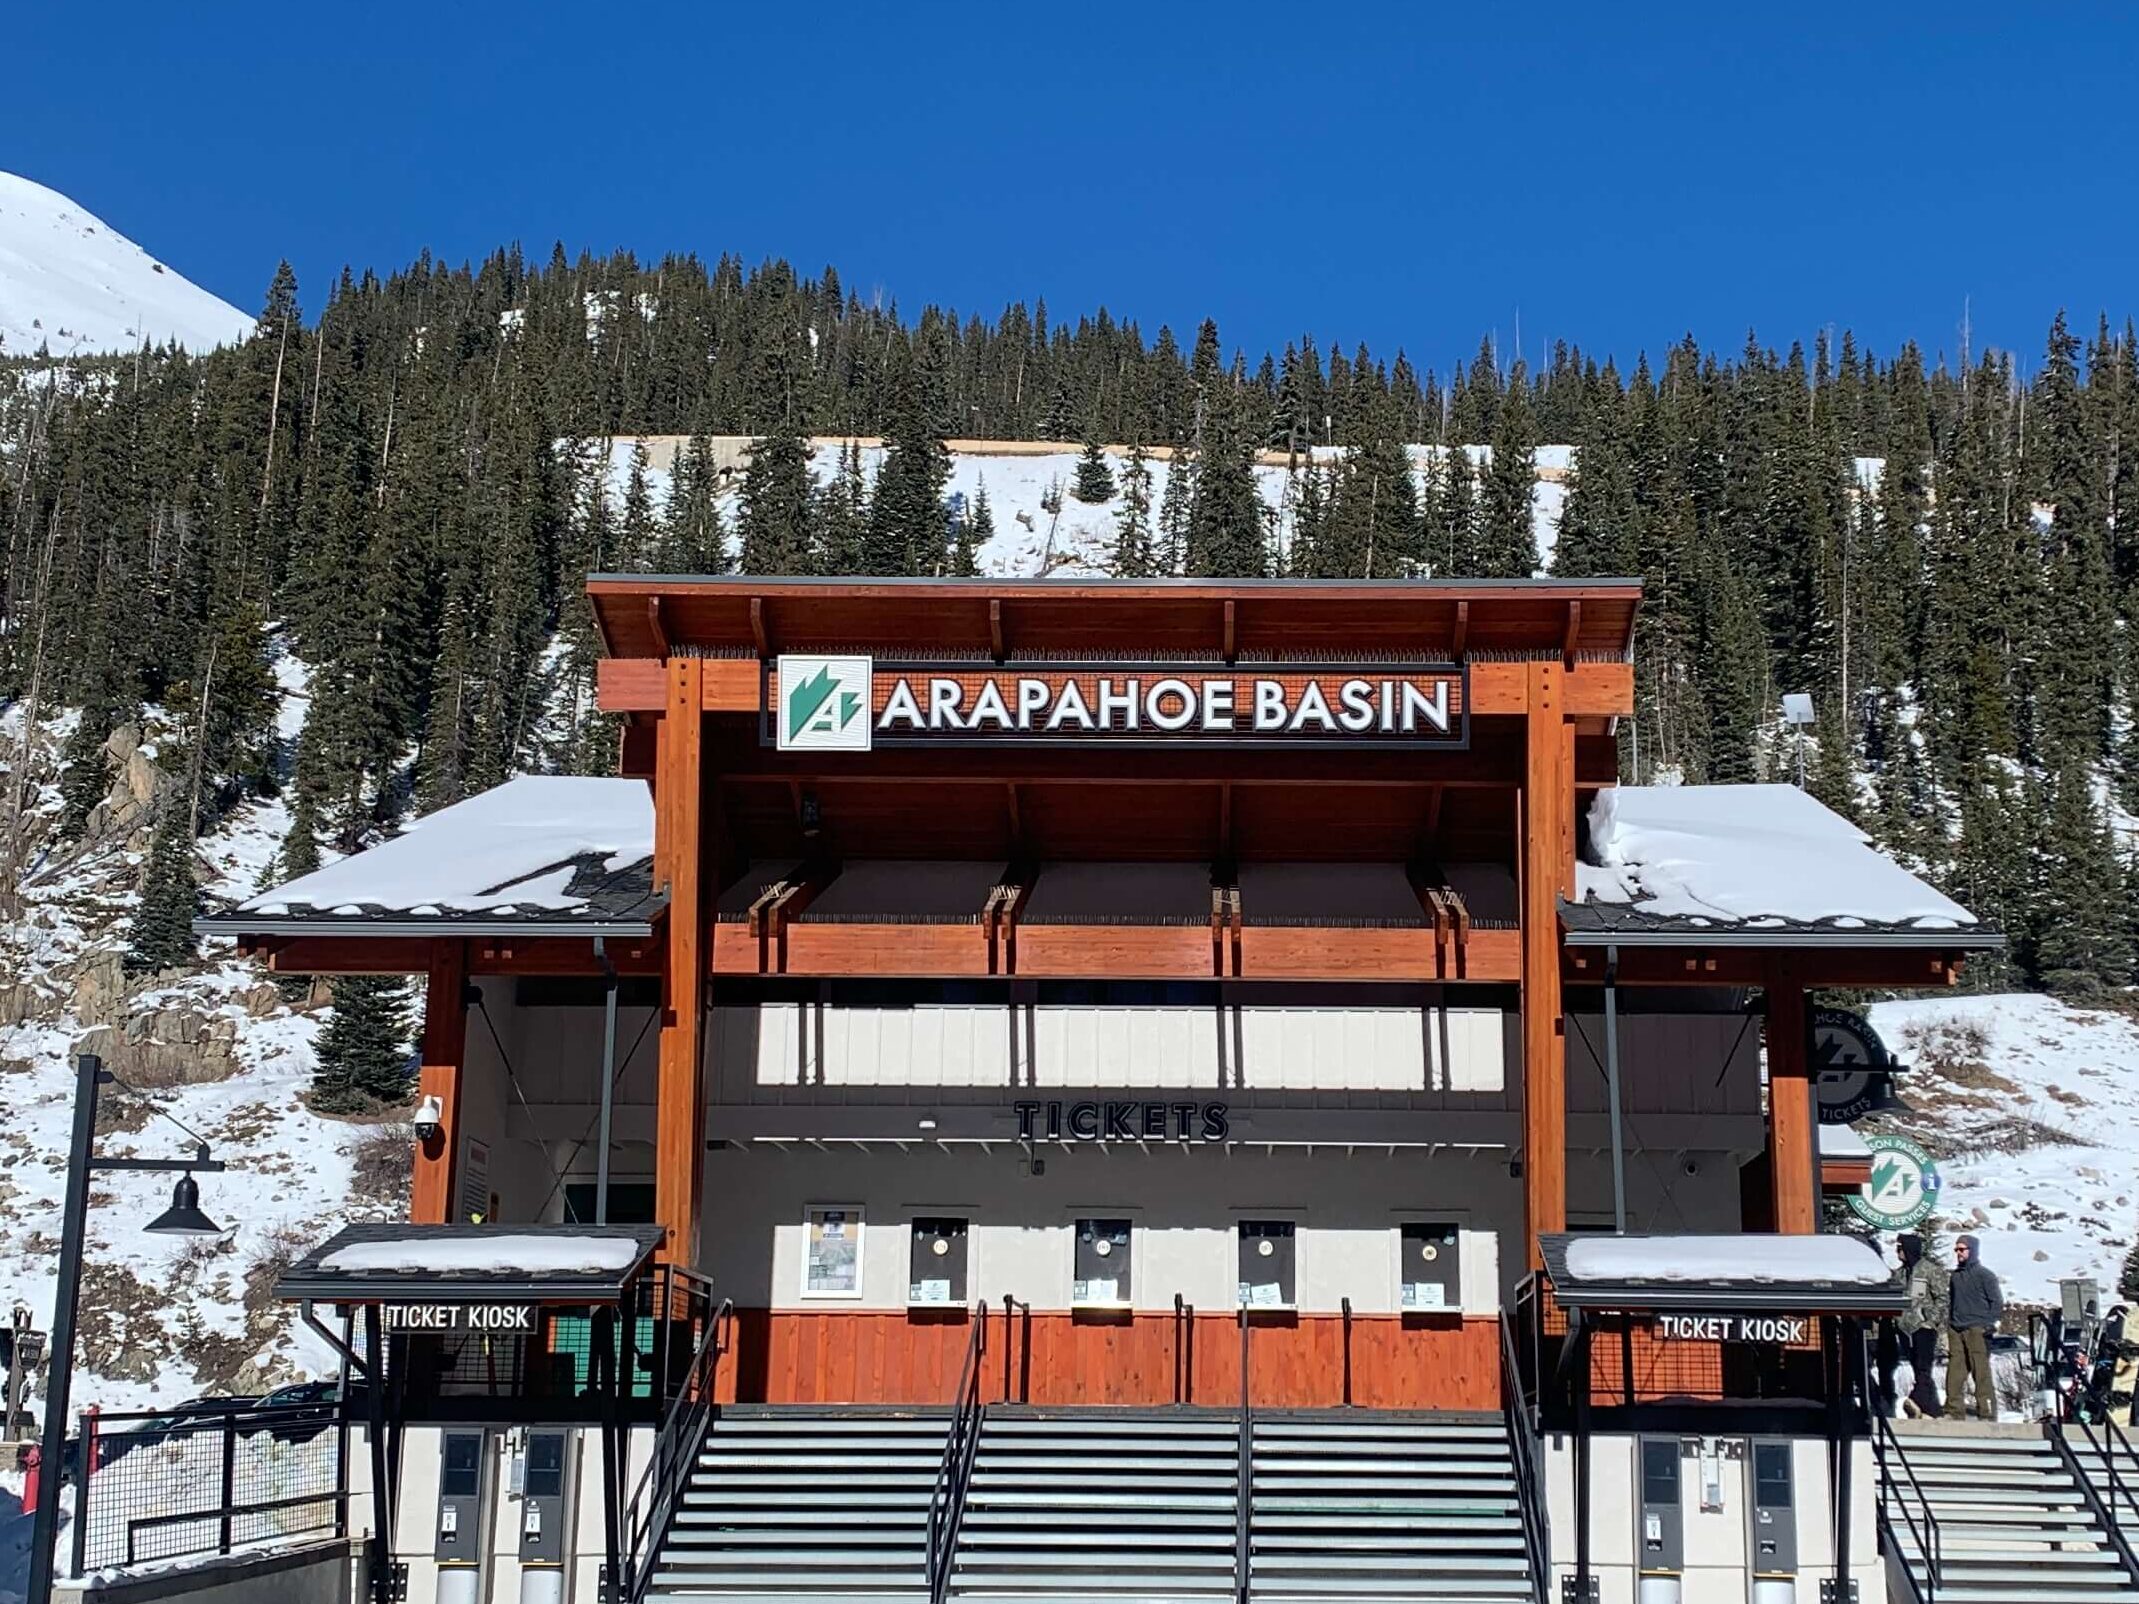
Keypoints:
pixel 1032 542
pixel 2032 1110
pixel 71 283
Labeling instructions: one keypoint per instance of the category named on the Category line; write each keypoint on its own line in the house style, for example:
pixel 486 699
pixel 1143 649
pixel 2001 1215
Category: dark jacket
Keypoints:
pixel 1975 1301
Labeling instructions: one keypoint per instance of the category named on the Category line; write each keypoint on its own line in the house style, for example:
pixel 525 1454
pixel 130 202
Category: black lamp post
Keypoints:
pixel 182 1218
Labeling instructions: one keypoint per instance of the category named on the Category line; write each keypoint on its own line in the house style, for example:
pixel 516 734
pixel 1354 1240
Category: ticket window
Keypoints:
pixel 1269 1266
pixel 1430 1267
pixel 1101 1273
pixel 937 1268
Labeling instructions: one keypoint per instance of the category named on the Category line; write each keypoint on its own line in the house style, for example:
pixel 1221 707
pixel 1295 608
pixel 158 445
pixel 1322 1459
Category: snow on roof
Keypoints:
pixel 1749 855
pixel 1842 1141
pixel 1737 1260
pixel 518 846
pixel 548 1254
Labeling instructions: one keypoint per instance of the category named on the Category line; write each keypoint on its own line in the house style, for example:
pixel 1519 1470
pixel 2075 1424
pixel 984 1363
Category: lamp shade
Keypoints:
pixel 184 1217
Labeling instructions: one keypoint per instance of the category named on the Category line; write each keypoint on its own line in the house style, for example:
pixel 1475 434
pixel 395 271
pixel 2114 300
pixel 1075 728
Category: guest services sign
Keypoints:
pixel 851 704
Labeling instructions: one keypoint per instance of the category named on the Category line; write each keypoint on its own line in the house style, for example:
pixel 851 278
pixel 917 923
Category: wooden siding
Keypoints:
pixel 1148 1359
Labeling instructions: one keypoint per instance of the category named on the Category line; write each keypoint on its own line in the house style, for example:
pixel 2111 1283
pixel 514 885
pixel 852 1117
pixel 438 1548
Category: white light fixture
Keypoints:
pixel 926 1122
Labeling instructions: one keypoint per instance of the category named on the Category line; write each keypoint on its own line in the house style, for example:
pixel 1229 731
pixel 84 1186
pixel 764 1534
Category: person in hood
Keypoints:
pixel 1974 1306
pixel 1923 1317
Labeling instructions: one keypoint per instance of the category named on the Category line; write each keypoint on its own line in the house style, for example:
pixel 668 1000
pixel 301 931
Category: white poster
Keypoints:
pixel 832 1252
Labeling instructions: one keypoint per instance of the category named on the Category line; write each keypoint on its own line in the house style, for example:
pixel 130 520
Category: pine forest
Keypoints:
pixel 395 485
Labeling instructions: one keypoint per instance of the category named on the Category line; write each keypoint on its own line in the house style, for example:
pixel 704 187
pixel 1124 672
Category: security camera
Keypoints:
pixel 430 1114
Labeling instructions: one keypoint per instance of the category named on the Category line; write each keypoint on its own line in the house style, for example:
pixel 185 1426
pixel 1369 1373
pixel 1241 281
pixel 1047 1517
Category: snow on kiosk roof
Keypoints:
pixel 373 1263
pixel 1783 1274
pixel 538 854
pixel 1753 863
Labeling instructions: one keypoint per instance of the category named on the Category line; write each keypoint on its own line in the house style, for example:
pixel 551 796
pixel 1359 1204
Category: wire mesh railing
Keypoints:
pixel 212 1479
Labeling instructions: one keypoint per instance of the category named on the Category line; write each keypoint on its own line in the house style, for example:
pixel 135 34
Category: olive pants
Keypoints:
pixel 1968 1356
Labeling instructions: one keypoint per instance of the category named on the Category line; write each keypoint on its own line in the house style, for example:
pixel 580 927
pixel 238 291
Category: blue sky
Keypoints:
pixel 1404 175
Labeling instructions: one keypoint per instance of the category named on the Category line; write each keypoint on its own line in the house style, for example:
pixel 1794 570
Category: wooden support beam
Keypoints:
pixel 1573 635
pixel 1461 638
pixel 445 1052
pixel 654 626
pixel 1547 874
pixel 995 629
pixel 758 632
pixel 679 868
pixel 794 900
pixel 1851 967
pixel 1232 631
pixel 1793 1126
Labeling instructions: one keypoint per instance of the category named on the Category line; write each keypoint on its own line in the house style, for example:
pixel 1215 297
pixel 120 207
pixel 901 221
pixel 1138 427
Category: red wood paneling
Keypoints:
pixel 1150 1359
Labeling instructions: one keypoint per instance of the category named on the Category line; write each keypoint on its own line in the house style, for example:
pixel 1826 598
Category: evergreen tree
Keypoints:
pixel 1094 481
pixel 1176 499
pixel 2128 1276
pixel 1507 538
pixel 1132 520
pixel 363 1053
pixel 2082 942
pixel 85 778
pixel 906 515
pixel 842 515
pixel 777 515
pixel 162 935
pixel 1452 548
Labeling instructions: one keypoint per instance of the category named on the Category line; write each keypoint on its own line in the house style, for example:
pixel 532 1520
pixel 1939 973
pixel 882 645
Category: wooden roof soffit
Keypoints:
pixel 1723 965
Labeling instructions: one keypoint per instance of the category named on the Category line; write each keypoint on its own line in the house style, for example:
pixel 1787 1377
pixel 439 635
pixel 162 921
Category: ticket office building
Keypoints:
pixel 1121 956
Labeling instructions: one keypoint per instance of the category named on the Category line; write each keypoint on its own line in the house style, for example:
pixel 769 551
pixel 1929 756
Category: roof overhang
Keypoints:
pixel 1770 1293
pixel 628 1250
pixel 1716 936
pixel 388 927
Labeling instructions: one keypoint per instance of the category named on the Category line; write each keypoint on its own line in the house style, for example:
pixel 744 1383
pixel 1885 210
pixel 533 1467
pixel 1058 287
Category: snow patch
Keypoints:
pixel 1765 1260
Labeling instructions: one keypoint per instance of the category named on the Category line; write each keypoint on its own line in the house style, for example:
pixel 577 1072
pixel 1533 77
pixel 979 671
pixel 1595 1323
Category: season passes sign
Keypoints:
pixel 853 704
pixel 1904 1186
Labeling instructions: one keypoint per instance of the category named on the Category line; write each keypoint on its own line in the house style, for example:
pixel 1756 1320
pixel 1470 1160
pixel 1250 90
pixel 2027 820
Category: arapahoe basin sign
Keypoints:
pixel 851 704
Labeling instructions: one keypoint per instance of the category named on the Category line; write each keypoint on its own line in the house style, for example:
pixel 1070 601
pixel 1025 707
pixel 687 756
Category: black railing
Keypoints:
pixel 1344 1309
pixel 219 1478
pixel 1184 1350
pixel 1529 1459
pixel 2113 1489
pixel 1244 1482
pixel 1017 1339
pixel 947 1499
pixel 1893 1498
pixel 688 1312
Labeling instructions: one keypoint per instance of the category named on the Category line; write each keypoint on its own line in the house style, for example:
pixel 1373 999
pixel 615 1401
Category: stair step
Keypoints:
pixel 1406 1544
pixel 914 1515
pixel 899 1563
pixel 1025 1537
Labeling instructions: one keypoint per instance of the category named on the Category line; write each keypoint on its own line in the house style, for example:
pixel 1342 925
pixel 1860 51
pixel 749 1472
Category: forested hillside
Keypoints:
pixel 401 480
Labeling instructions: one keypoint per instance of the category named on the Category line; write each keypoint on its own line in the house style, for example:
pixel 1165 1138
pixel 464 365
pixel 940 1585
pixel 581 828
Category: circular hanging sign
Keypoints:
pixel 1903 1188
pixel 1852 1064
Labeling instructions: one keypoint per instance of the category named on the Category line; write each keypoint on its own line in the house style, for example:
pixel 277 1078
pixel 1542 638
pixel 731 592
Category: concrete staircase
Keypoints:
pixel 1384 1507
pixel 2012 1525
pixel 1100 1504
pixel 788 1504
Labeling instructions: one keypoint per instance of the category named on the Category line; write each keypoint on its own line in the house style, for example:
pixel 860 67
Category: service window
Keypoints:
pixel 1429 1267
pixel 1101 1270
pixel 936 1272
pixel 1268 1267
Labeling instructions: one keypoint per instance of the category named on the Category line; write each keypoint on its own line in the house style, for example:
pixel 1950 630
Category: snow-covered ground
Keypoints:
pixel 1074 540
pixel 2032 1110
pixel 72 283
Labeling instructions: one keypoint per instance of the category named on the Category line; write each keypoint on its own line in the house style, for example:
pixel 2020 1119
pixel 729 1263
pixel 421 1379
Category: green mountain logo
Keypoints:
pixel 817 706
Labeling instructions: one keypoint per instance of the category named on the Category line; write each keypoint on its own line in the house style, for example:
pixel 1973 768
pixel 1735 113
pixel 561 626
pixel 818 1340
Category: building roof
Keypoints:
pixel 653 615
pixel 1721 1274
pixel 539 855
pixel 1748 865
pixel 375 1263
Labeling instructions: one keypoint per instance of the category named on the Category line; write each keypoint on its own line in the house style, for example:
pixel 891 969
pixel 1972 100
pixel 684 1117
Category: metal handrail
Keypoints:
pixel 1244 1485
pixel 1522 1439
pixel 954 1474
pixel 1010 1304
pixel 1184 1349
pixel 1930 1542
pixel 2120 1481
pixel 676 1442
